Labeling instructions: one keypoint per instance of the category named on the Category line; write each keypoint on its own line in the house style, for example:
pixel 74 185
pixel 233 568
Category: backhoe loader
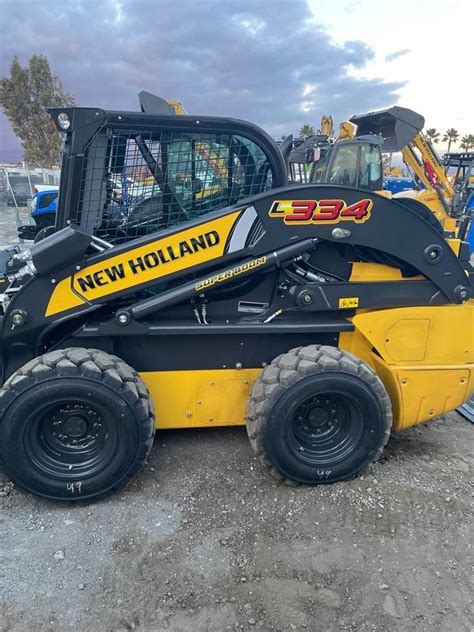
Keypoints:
pixel 321 316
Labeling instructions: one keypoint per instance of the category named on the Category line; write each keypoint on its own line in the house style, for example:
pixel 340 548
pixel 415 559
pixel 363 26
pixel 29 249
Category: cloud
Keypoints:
pixel 397 54
pixel 273 65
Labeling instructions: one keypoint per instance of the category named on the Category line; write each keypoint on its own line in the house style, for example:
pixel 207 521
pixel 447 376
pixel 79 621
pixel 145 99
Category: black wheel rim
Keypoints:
pixel 68 439
pixel 325 428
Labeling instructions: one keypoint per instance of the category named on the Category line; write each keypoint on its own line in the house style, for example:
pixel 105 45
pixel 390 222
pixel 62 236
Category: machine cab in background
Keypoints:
pixel 356 162
pixel 353 163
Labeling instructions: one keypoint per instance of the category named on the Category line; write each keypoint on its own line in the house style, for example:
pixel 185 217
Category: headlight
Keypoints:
pixel 64 121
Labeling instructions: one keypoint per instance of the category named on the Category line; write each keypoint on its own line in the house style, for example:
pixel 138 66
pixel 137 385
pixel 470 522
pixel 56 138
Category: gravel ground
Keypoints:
pixel 204 539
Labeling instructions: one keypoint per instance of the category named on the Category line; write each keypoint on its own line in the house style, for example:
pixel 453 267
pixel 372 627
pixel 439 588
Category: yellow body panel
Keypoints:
pixel 192 399
pixel 365 271
pixel 423 355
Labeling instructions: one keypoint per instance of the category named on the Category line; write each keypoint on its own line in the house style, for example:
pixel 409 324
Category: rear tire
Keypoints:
pixel 75 424
pixel 318 415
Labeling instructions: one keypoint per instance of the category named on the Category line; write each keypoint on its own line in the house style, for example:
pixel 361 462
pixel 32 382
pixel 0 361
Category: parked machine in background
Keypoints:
pixel 44 206
pixel 398 184
pixel 401 130
pixel 460 167
pixel 358 161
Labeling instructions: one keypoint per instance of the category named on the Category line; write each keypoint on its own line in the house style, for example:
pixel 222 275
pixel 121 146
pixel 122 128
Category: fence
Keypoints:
pixel 17 184
pixel 16 190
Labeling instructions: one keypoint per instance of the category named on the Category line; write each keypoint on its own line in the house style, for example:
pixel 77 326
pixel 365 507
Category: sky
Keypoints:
pixel 277 63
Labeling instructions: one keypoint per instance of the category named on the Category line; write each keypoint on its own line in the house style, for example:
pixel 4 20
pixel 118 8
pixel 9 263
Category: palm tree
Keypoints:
pixel 451 136
pixel 307 130
pixel 433 135
pixel 467 142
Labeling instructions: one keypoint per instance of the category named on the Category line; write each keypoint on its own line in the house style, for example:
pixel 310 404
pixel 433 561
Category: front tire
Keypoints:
pixel 75 424
pixel 318 415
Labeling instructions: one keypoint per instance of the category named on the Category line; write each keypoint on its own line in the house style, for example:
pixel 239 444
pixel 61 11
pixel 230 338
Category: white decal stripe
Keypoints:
pixel 242 229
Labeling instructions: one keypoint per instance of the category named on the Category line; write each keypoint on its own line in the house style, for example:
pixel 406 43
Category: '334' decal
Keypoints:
pixel 320 211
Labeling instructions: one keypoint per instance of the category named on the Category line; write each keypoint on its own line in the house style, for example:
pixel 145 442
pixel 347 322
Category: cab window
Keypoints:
pixel 370 168
pixel 143 183
pixel 344 166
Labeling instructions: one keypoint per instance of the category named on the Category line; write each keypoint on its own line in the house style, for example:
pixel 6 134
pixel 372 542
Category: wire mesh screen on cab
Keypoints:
pixel 135 183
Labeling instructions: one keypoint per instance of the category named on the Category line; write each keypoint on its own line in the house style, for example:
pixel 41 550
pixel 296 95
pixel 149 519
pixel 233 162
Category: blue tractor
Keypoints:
pixel 44 207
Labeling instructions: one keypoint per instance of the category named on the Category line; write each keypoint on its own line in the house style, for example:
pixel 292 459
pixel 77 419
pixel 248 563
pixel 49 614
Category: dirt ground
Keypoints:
pixel 206 540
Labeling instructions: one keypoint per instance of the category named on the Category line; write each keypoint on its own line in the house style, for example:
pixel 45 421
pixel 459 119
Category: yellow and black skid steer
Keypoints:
pixel 187 284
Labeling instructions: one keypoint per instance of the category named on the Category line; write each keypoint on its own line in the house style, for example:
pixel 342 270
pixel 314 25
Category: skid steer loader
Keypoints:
pixel 320 316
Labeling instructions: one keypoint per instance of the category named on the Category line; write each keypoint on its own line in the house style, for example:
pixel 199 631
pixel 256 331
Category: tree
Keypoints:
pixel 433 135
pixel 451 136
pixel 307 130
pixel 467 142
pixel 24 97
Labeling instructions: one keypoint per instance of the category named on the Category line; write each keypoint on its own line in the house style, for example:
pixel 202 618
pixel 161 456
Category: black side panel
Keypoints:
pixel 193 352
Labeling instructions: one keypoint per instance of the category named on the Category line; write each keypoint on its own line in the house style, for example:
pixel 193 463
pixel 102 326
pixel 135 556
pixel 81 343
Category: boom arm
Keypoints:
pixel 434 174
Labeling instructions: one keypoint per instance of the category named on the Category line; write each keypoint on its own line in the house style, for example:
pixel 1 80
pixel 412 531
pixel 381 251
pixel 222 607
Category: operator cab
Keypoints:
pixel 126 175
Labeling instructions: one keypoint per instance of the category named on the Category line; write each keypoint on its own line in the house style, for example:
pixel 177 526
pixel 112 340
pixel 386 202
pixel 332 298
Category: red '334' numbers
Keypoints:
pixel 320 211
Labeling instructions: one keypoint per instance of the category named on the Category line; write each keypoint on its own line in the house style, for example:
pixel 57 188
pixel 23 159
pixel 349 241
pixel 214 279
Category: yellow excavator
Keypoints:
pixel 327 125
pixel 346 129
